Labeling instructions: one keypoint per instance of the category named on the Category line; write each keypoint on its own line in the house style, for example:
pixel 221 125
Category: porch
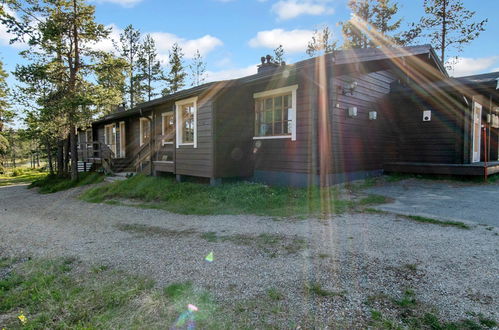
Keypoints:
pixel 474 169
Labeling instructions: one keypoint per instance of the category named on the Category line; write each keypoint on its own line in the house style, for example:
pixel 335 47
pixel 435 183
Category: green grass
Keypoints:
pixel 407 313
pixel 23 176
pixel 66 294
pixel 317 289
pixel 229 198
pixel 52 183
pixel 418 218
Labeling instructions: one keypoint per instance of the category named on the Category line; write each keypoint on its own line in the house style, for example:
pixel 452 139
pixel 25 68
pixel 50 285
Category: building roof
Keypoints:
pixel 338 57
pixel 487 83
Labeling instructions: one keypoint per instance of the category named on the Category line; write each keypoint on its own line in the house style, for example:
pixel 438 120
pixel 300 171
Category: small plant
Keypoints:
pixel 316 288
pixel 408 299
pixel 411 267
pixel 274 294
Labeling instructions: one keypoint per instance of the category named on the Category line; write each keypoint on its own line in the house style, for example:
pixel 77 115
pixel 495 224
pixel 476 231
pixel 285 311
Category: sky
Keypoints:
pixel 232 35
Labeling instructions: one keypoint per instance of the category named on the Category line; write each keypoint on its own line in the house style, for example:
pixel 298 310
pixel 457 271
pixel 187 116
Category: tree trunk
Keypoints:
pixel 60 158
pixel 49 158
pixel 66 156
pixel 444 30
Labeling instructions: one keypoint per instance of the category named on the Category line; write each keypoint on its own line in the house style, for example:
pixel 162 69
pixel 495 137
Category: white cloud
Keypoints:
pixel 292 41
pixel 124 3
pixel 231 73
pixel 205 44
pixel 164 42
pixel 288 9
pixel 465 66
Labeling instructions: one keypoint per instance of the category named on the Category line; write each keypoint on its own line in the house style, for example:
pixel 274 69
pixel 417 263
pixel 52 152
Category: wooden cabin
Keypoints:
pixel 323 121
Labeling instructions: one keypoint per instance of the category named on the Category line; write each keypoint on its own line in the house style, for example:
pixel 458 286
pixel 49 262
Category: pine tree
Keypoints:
pixel 355 31
pixel 175 79
pixel 372 24
pixel 198 69
pixel 149 66
pixel 5 113
pixel 384 12
pixel 60 33
pixel 110 74
pixel 448 25
pixel 279 55
pixel 129 48
pixel 322 42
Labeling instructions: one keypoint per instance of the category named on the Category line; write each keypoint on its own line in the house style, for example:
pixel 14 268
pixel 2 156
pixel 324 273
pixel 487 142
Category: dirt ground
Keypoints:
pixel 354 257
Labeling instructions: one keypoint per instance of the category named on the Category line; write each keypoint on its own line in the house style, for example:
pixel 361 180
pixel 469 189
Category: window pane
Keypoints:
pixel 188 123
pixel 273 115
pixel 278 128
pixel 278 102
pixel 268 117
pixel 268 104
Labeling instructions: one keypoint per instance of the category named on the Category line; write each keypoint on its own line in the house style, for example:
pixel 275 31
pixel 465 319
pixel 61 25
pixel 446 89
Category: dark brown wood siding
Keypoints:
pixel 198 161
pixel 358 143
pixel 440 140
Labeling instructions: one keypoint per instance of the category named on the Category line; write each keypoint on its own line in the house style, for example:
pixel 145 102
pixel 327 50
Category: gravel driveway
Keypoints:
pixel 364 255
pixel 445 200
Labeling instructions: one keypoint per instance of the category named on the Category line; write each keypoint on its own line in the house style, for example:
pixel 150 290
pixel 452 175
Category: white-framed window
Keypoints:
pixel 145 131
pixel 186 123
pixel 167 127
pixel 275 113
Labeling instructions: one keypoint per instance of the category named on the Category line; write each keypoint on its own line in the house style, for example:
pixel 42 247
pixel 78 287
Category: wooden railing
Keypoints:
pixel 96 152
pixel 142 158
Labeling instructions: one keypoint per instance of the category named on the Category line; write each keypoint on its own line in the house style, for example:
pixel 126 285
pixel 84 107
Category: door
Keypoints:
pixel 122 140
pixel 110 137
pixel 477 131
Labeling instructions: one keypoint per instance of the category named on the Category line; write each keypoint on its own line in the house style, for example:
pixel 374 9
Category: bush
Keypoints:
pixel 2 170
pixel 17 172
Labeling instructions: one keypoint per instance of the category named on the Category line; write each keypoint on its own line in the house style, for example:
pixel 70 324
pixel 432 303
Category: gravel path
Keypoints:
pixel 363 255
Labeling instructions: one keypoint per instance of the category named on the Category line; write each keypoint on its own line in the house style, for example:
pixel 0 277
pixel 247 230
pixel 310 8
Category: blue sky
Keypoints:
pixel 233 34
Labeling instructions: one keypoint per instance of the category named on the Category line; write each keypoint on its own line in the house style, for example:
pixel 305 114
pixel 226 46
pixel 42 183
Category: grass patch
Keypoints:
pixel 22 176
pixel 176 290
pixel 317 289
pixel 269 243
pixel 229 198
pixel 446 223
pixel 52 183
pixel 374 200
pixel 65 294
pixel 153 230
pixel 407 313
pixel 274 294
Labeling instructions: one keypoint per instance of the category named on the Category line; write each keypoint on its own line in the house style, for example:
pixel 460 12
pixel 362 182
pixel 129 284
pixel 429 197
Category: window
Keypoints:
pixel 89 136
pixel 187 122
pixel 145 131
pixel 167 127
pixel 275 113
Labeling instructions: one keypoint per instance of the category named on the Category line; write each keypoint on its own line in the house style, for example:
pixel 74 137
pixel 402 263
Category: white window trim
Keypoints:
pixel 178 122
pixel 163 116
pixel 107 138
pixel 140 130
pixel 284 90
